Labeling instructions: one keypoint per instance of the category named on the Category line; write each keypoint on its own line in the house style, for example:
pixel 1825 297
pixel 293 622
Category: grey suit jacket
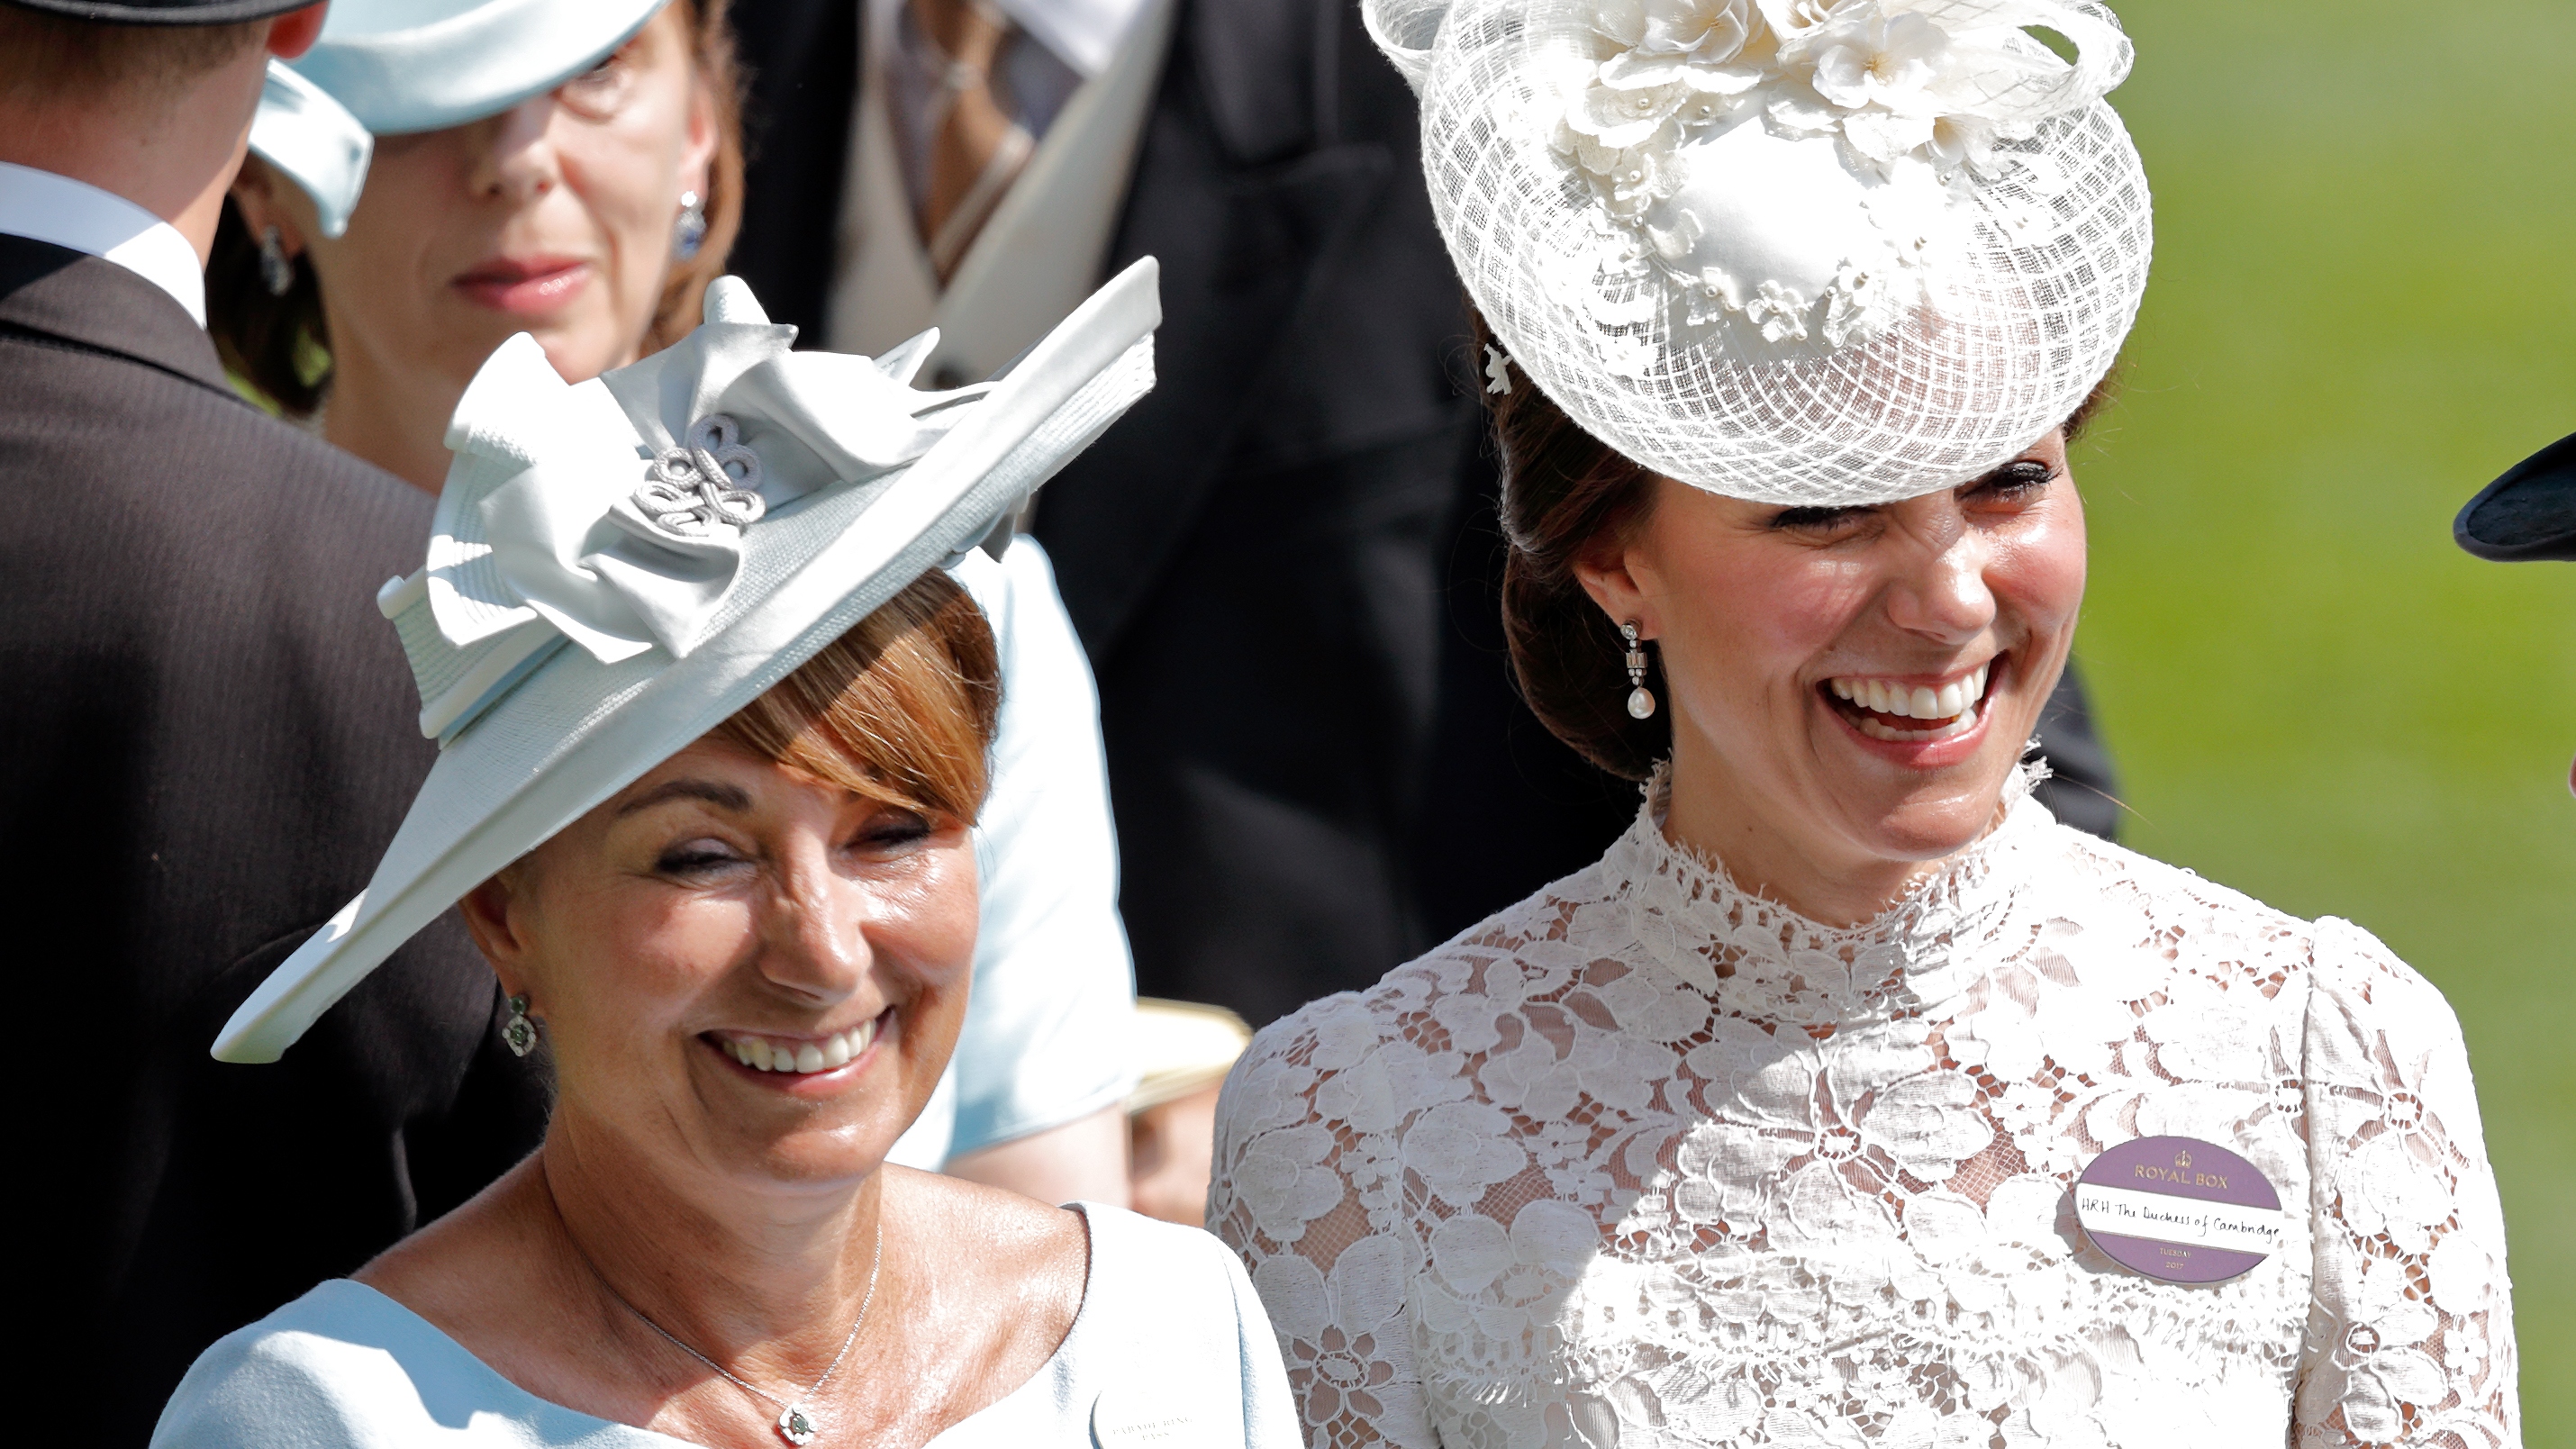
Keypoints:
pixel 209 737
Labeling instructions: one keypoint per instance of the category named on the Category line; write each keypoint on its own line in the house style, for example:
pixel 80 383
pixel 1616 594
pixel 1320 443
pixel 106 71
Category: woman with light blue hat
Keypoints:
pixel 464 171
pixel 436 176
pixel 714 726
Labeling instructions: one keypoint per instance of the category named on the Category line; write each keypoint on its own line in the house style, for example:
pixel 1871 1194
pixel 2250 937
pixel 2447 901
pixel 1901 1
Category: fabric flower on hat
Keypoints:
pixel 1867 58
pixel 1914 97
pixel 1796 21
pixel 1888 139
pixel 1859 303
pixel 1733 239
pixel 1618 138
pixel 1891 80
pixel 1779 312
pixel 1700 43
pixel 1964 143
pixel 1618 118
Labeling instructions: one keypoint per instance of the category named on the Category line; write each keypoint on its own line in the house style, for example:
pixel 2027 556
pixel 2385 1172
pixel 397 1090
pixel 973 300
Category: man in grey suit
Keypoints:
pixel 208 735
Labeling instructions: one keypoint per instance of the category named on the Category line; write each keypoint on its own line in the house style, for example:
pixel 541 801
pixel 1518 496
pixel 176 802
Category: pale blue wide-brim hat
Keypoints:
pixel 392 67
pixel 617 567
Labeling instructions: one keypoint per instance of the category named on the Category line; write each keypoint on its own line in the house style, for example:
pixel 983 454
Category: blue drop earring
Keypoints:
pixel 690 232
pixel 276 268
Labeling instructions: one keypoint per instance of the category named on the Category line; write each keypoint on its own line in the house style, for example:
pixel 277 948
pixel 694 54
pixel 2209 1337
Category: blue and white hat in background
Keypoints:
pixel 392 67
pixel 617 567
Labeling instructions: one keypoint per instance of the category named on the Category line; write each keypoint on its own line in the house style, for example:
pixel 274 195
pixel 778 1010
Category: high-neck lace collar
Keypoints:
pixel 1762 959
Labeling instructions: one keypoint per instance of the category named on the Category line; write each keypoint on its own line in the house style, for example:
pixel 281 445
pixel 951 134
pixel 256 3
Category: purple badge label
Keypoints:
pixel 2179 1209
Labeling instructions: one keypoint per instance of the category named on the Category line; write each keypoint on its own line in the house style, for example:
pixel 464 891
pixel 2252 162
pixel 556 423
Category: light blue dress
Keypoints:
pixel 1045 1041
pixel 1170 1348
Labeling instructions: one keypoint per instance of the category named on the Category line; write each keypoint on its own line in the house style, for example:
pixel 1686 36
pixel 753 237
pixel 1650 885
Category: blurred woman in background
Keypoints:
pixel 574 172
pixel 585 194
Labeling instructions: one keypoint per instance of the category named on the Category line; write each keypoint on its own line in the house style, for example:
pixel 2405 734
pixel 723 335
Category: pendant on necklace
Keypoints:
pixel 796 1428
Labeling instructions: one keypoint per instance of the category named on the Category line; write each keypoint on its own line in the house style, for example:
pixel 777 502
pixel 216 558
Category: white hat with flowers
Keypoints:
pixel 1809 252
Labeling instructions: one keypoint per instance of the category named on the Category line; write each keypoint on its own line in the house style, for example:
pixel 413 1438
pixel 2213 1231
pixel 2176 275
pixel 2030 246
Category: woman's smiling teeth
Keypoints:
pixel 1951 708
pixel 763 1054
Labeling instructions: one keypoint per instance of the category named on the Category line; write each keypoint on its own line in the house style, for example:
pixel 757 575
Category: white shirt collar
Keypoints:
pixel 45 207
pixel 1084 34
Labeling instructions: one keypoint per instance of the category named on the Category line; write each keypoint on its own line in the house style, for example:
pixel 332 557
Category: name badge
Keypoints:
pixel 2179 1209
pixel 1133 1419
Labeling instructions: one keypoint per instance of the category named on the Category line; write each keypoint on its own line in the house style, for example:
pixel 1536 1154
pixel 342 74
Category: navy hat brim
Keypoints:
pixel 2529 513
pixel 163 12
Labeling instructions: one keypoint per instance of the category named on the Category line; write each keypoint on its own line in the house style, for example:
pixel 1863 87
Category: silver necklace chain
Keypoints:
pixel 793 1424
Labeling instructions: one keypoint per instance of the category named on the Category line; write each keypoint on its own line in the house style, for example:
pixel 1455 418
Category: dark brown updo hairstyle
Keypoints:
pixel 282 344
pixel 1564 491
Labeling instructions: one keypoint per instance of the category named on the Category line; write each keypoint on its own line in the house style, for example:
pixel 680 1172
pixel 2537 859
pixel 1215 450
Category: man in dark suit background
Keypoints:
pixel 1284 563
pixel 209 735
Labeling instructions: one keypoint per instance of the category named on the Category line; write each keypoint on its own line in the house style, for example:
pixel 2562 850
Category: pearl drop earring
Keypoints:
pixel 1641 700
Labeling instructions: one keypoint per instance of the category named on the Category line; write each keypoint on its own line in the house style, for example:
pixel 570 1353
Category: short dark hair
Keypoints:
pixel 1563 489
pixel 49 58
pixel 281 344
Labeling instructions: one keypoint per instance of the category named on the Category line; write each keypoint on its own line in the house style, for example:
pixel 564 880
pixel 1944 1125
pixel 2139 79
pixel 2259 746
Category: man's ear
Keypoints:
pixel 293 33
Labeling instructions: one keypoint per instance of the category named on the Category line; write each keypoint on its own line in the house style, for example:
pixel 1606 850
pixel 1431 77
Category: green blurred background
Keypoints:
pixel 2364 307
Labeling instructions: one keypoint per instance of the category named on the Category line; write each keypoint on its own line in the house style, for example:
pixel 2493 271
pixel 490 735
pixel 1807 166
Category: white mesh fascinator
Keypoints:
pixel 1808 252
pixel 615 568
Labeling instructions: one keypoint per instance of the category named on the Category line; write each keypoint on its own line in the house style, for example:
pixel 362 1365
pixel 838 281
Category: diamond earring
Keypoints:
pixel 690 232
pixel 276 268
pixel 1641 700
pixel 519 1033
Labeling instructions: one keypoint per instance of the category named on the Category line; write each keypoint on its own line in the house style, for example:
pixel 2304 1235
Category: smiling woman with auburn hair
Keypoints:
pixel 439 176
pixel 714 727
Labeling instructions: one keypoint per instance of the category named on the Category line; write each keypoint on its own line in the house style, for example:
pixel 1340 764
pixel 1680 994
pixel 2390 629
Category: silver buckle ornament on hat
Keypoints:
pixel 1811 252
pixel 616 567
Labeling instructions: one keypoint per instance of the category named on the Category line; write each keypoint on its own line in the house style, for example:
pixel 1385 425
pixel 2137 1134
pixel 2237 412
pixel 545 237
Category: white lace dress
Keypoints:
pixel 1644 1160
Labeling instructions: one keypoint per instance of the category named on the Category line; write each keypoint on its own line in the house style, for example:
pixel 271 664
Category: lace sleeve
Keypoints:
pixel 2411 1333
pixel 1305 1191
